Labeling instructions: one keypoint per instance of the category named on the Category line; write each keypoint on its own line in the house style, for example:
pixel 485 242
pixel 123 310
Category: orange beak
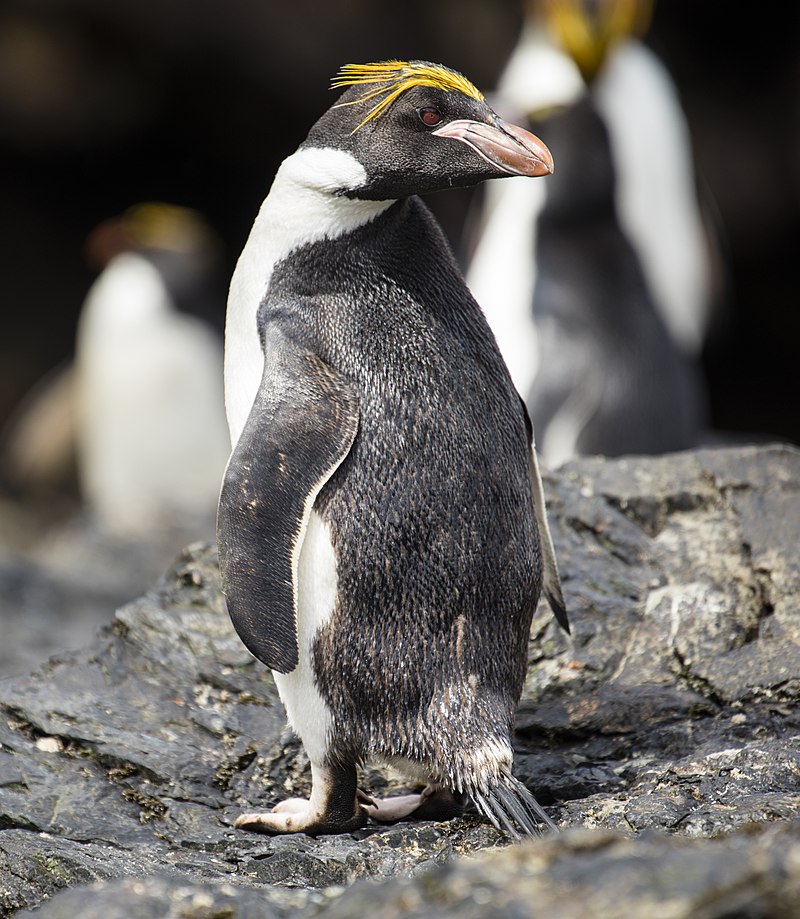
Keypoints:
pixel 512 149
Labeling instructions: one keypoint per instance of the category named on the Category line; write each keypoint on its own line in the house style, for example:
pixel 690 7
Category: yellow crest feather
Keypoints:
pixel 389 79
pixel 586 31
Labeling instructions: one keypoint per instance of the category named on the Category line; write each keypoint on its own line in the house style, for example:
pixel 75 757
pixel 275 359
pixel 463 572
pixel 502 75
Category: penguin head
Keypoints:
pixel 588 30
pixel 416 127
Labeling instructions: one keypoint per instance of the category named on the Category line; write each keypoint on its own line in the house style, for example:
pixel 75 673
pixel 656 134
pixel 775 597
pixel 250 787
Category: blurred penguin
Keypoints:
pixel 598 285
pixel 151 431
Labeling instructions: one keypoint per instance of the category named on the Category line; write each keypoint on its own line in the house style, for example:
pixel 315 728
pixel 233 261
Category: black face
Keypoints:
pixel 427 140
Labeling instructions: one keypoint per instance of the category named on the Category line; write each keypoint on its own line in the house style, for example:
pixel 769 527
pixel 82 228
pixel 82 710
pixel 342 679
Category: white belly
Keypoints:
pixel 306 710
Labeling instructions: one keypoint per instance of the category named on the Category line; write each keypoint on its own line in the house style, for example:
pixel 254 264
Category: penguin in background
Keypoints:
pixel 605 298
pixel 382 530
pixel 132 430
pixel 152 438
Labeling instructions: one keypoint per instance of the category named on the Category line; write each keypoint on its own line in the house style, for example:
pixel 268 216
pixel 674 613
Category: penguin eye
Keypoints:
pixel 430 117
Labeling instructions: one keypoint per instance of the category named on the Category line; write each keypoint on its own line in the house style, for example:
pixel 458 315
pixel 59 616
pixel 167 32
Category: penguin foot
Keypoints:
pixel 389 810
pixel 298 815
pixel 332 808
pixel 432 803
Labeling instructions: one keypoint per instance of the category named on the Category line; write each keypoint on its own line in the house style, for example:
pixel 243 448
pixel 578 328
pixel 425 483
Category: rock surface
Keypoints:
pixel 670 717
pixel 61 576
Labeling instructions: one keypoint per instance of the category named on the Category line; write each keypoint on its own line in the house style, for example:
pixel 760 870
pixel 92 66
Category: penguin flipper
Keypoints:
pixel 552 579
pixel 301 426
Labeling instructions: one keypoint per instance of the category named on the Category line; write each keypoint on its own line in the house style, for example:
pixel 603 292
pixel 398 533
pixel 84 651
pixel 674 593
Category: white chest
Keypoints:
pixel 304 205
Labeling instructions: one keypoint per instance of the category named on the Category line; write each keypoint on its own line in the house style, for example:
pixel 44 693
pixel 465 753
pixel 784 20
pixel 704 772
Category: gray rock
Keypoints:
pixel 61 576
pixel 162 898
pixel 668 718
pixel 600 873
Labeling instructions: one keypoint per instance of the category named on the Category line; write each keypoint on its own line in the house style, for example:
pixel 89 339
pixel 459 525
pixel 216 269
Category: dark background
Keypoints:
pixel 104 103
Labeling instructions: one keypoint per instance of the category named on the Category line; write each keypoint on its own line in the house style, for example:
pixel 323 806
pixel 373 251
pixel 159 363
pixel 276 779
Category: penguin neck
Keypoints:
pixel 308 200
pixel 539 74
pixel 129 296
pixel 307 203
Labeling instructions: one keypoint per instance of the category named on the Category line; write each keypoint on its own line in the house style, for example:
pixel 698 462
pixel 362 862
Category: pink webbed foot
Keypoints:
pixel 332 808
pixel 432 803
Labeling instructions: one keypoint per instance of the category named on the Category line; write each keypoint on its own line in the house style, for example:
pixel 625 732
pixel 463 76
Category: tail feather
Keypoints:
pixel 497 816
pixel 508 805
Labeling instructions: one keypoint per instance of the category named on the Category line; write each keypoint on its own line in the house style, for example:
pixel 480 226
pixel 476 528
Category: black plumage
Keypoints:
pixel 386 410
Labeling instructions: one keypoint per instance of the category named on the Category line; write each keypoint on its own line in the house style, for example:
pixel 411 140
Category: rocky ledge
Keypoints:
pixel 663 736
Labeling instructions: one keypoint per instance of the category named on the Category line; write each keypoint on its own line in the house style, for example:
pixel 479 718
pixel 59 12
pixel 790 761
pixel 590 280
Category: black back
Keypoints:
pixel 439 565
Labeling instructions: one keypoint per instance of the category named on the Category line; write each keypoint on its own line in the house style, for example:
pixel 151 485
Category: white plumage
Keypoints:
pixel 152 439
pixel 297 210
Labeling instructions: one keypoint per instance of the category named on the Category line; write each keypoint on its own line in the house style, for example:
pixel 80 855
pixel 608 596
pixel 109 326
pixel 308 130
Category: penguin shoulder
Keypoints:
pixel 310 199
